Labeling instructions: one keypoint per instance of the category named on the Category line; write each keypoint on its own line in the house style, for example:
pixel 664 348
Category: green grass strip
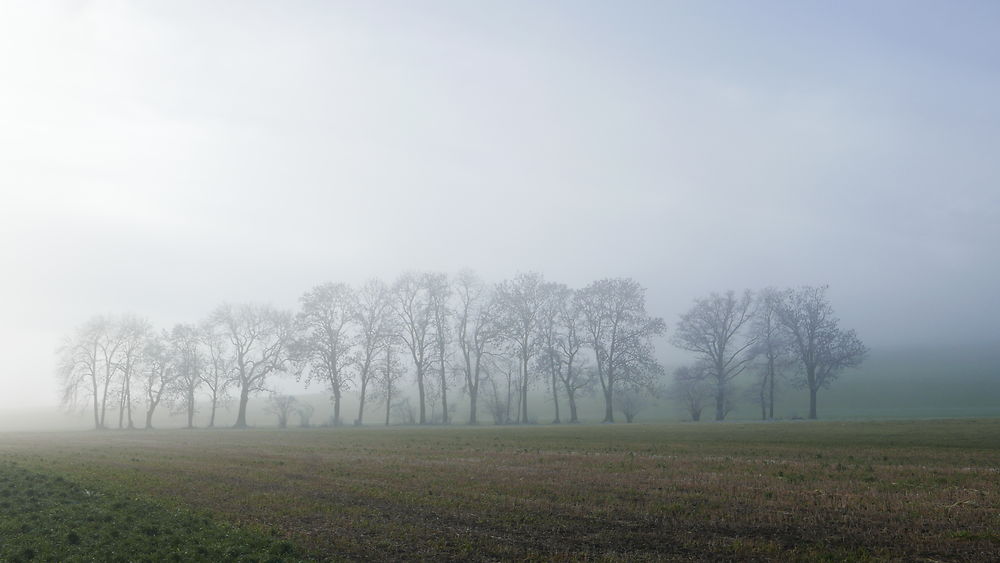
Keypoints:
pixel 49 518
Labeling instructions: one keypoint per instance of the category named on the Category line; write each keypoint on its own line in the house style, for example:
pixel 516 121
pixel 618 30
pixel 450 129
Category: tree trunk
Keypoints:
pixel 507 405
pixel 388 402
pixel 473 402
pixel 609 411
pixel 336 408
pixel 149 417
pixel 720 403
pixel 104 402
pixel 572 406
pixel 121 410
pixel 770 383
pixel 524 390
pixel 420 394
pixel 813 388
pixel 388 383
pixel 190 409
pixel 241 416
pixel 361 403
pixel 555 397
pixel 444 395
pixel 128 404
pixel 211 418
pixel 524 400
pixel 388 406
pixel 97 421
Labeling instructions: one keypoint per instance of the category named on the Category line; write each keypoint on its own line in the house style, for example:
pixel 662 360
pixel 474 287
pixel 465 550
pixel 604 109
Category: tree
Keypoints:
pixel 630 401
pixel 620 332
pixel 773 348
pixel 324 344
pixel 188 364
pixel 477 333
pixel 500 396
pixel 714 329
pixel 372 314
pixel 259 336
pixel 822 348
pixel 281 406
pixel 391 371
pixel 79 369
pixel 133 333
pixel 691 389
pixel 109 342
pixel 403 412
pixel 305 412
pixel 549 335
pixel 521 303
pixel 414 307
pixel 440 293
pixel 159 373
pixel 576 377
pixel 218 374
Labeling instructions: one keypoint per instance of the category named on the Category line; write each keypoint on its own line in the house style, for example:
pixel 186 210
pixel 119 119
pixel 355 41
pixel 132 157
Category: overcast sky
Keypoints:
pixel 163 157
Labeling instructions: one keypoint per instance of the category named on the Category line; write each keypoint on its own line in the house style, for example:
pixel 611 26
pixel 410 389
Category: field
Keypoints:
pixel 885 490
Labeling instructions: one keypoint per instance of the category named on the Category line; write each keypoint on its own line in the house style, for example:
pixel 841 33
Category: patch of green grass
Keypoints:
pixel 51 518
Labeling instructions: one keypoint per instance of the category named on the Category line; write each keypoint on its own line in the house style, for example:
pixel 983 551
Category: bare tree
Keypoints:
pixel 496 404
pixel 503 374
pixel 822 347
pixel 521 303
pixel 440 293
pixel 391 371
pixel 549 359
pixel 159 373
pixel 79 370
pixel 773 348
pixel 305 412
pixel 324 344
pixel 691 389
pixel 372 314
pixel 477 334
pixel 403 412
pixel 630 400
pixel 218 374
pixel 281 406
pixel 189 365
pixel 109 343
pixel 259 336
pixel 414 307
pixel 620 331
pixel 715 330
pixel 133 332
pixel 573 371
pixel 433 399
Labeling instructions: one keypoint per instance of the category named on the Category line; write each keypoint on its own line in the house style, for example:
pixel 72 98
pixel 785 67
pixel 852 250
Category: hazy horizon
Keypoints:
pixel 161 158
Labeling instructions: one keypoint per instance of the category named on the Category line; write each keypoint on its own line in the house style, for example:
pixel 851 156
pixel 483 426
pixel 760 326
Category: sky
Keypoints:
pixel 160 158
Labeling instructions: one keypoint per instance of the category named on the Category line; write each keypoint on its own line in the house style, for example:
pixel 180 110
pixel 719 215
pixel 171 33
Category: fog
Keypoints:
pixel 161 158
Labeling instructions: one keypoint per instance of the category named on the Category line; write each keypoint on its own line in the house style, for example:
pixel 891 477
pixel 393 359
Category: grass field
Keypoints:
pixel 924 490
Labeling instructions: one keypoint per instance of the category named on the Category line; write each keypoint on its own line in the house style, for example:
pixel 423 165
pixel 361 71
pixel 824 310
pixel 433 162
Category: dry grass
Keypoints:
pixel 806 491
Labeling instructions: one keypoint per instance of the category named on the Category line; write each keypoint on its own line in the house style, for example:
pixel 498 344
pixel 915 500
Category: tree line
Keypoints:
pixel 453 335
pixel 772 334
pixel 490 342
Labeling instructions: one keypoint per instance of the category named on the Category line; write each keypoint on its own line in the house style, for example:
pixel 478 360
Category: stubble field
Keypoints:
pixel 900 490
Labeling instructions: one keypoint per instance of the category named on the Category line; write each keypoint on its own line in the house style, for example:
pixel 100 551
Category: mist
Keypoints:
pixel 160 159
